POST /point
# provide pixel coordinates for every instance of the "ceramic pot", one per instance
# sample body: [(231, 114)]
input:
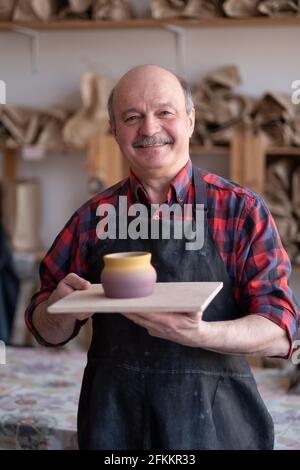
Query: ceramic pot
[(128, 275)]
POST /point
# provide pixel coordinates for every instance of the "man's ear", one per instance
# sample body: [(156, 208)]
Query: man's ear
[(113, 129), (191, 122)]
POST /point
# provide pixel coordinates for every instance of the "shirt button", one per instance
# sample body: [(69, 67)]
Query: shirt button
[(156, 217)]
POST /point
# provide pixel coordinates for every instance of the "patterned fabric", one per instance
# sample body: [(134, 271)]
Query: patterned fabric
[(39, 393), (284, 408), (241, 226)]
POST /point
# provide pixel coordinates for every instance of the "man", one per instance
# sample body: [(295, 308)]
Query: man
[(180, 380)]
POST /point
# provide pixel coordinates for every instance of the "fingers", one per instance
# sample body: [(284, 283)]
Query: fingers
[(76, 282), (179, 327), (67, 285), (138, 319), (163, 318), (194, 315), (62, 290), (81, 316)]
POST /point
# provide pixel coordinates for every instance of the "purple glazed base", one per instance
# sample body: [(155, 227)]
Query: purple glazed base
[(127, 286)]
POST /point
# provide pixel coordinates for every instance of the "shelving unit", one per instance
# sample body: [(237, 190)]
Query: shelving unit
[(152, 23), (247, 153), (249, 158), (177, 26)]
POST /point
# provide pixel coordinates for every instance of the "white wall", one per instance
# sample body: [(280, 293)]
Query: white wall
[(268, 59)]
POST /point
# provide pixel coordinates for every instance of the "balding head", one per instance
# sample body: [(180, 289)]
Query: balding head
[(142, 73), (152, 120)]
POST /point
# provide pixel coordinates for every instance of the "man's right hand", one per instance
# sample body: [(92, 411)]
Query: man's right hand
[(66, 286), (59, 328)]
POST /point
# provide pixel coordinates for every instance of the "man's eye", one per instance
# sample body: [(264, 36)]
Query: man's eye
[(131, 118), (165, 113)]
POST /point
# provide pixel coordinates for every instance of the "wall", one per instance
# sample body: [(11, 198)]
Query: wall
[(267, 58)]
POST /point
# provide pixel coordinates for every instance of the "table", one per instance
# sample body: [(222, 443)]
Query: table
[(39, 392)]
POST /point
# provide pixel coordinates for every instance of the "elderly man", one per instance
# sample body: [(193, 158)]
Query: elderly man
[(172, 380)]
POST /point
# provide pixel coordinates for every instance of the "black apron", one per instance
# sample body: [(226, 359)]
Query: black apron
[(142, 392)]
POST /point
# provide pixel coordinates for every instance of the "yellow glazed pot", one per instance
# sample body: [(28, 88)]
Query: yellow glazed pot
[(128, 274)]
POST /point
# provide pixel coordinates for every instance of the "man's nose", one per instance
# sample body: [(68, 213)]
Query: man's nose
[(150, 126)]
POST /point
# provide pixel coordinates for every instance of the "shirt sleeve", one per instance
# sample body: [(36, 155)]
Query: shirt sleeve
[(62, 258), (264, 270)]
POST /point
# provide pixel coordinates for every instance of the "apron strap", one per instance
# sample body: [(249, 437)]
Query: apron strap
[(200, 188)]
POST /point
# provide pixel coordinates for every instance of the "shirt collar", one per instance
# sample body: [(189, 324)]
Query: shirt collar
[(178, 189)]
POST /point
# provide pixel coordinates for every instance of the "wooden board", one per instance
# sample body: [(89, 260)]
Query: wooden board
[(167, 297)]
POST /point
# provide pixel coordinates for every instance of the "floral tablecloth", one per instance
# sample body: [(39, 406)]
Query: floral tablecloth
[(283, 407), (39, 391)]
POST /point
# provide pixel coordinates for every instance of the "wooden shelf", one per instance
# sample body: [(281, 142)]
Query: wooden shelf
[(222, 150), (151, 23), (201, 149), (194, 149), (62, 149), (214, 150), (284, 151)]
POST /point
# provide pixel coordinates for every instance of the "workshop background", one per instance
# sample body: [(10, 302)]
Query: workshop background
[(59, 61)]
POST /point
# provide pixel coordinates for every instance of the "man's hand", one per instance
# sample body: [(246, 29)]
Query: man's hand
[(66, 286), (56, 329), (185, 328), (249, 335)]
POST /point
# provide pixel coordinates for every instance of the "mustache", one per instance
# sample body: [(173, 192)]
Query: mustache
[(153, 140)]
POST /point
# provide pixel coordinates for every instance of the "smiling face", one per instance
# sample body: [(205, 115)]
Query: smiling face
[(151, 125)]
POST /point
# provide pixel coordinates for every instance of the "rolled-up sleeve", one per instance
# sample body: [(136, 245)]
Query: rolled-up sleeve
[(264, 270), (62, 258)]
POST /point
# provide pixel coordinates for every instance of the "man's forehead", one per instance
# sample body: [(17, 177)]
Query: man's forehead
[(153, 96), (135, 105)]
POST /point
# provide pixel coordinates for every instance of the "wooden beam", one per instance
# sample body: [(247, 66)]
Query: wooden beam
[(10, 157), (248, 159), (236, 157), (9, 164), (106, 161)]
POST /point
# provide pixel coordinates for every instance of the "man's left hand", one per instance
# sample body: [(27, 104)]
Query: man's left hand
[(185, 328)]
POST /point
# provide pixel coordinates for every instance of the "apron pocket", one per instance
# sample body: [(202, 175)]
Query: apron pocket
[(241, 418)]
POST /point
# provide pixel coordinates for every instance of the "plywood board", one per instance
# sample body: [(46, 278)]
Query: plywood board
[(167, 297)]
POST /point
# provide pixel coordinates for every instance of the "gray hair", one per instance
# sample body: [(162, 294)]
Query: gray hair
[(187, 91)]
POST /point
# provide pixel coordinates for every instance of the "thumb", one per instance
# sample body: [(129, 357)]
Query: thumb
[(76, 282)]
